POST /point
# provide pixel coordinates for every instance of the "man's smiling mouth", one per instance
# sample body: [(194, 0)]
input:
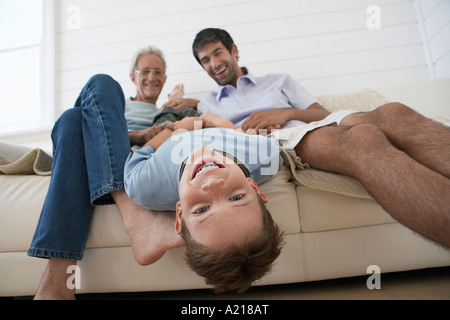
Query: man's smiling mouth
[(220, 72)]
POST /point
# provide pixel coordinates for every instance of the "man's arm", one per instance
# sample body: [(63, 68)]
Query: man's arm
[(181, 103), (277, 117), (139, 138), (207, 120)]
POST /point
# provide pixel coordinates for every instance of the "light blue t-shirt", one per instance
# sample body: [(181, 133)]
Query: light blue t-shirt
[(152, 177), (139, 115), (252, 94)]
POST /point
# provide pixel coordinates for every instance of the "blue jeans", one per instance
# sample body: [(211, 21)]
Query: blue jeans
[(90, 146)]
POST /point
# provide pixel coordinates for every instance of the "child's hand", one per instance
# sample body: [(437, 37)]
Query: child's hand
[(211, 120), (188, 123)]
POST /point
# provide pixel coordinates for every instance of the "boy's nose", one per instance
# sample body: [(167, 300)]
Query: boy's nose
[(212, 184)]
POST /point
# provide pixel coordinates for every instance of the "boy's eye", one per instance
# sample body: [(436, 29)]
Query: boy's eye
[(201, 210), (237, 198)]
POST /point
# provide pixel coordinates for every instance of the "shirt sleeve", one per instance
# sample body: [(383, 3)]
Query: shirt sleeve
[(298, 96), (145, 173), (204, 104)]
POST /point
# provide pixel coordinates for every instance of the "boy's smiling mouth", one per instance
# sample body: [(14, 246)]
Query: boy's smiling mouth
[(205, 168)]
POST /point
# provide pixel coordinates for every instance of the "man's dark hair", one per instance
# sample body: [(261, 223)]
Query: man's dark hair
[(211, 35)]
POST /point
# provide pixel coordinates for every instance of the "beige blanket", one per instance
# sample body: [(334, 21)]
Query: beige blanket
[(24, 161)]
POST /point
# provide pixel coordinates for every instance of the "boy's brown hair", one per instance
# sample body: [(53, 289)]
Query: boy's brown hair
[(233, 268)]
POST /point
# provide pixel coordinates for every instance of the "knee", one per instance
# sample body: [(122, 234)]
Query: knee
[(102, 81), (394, 110), (69, 122), (102, 90), (67, 127), (100, 78), (365, 138)]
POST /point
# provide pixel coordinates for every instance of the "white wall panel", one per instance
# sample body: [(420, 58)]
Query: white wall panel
[(435, 23), (325, 44)]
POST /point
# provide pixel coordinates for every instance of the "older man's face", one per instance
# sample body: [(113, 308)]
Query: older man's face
[(149, 78)]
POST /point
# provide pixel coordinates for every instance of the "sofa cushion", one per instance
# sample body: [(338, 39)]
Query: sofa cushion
[(322, 210), (281, 193), (21, 201), (23, 196), (329, 201)]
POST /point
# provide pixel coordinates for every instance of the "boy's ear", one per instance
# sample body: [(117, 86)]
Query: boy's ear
[(258, 190), (178, 213)]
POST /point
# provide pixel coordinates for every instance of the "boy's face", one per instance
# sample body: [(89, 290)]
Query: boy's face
[(218, 204), (219, 63)]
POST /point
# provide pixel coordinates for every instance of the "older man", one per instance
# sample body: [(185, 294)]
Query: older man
[(91, 143)]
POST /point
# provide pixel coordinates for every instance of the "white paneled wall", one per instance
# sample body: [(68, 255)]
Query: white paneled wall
[(324, 44), (434, 18)]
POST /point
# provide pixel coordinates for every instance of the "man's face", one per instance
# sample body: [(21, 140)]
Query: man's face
[(218, 204), (149, 78), (219, 63)]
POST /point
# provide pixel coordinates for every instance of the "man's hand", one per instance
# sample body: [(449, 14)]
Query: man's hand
[(141, 137), (276, 118), (270, 119)]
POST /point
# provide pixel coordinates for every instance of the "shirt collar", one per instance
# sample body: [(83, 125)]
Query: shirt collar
[(247, 77)]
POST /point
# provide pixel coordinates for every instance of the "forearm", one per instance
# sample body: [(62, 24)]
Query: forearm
[(141, 137), (159, 139), (136, 138), (314, 113)]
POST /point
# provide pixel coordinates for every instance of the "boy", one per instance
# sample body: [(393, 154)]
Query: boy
[(209, 177)]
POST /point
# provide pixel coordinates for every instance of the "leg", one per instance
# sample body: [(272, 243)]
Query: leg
[(152, 233), (90, 147), (413, 194), (64, 222), (53, 285), (65, 218), (106, 135), (423, 139)]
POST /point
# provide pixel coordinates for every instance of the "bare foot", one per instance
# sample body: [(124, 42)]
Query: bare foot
[(177, 92), (53, 285), (152, 233)]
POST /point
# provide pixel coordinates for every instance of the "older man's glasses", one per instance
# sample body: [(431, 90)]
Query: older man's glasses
[(146, 73)]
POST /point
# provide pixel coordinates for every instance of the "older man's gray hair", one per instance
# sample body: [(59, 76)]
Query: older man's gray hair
[(145, 51)]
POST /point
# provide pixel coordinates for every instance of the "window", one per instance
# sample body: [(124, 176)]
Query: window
[(21, 61)]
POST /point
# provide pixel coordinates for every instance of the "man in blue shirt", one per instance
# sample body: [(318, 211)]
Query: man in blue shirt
[(388, 150)]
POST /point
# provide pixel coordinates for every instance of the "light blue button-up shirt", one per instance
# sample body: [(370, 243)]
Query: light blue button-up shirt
[(252, 94)]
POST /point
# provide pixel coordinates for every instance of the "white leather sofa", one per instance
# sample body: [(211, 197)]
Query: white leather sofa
[(333, 227)]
